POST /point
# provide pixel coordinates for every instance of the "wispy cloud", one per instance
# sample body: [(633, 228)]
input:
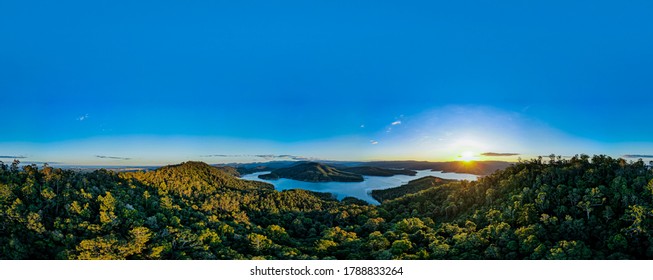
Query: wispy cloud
[(492, 154), (291, 157), (13, 157), (110, 157), (374, 142), (41, 162), (82, 118), (637, 156), (266, 157), (396, 123)]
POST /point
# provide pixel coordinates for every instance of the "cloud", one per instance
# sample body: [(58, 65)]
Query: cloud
[(110, 157), (637, 156), (273, 156), (283, 157), (491, 154), (396, 123), (266, 157), (374, 142), (13, 157), (301, 158), (82, 118), (362, 126), (291, 157), (41, 162)]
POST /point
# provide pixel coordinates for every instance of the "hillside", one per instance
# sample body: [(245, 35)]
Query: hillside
[(583, 208), (313, 172), (248, 168), (413, 186), (196, 178), (377, 171), (186, 211), (598, 208)]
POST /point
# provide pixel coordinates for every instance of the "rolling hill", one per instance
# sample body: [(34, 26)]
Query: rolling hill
[(313, 172)]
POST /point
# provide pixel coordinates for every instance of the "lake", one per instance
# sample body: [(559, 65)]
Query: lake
[(358, 190)]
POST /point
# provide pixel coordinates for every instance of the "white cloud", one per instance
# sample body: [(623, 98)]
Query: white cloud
[(396, 123), (263, 156), (374, 142), (111, 157), (82, 118)]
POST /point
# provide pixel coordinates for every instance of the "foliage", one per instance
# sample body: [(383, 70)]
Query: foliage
[(583, 208), (413, 186)]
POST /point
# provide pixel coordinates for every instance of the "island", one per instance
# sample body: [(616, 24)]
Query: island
[(313, 172)]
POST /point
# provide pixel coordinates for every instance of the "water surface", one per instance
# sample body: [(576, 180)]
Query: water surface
[(359, 190)]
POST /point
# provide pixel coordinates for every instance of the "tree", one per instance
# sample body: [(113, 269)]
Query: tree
[(569, 250), (107, 208), (258, 242), (401, 246)]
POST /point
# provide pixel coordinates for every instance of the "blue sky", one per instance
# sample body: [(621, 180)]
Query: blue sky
[(156, 82)]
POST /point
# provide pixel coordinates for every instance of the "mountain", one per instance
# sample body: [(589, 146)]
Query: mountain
[(377, 171), (248, 168), (197, 178), (313, 172)]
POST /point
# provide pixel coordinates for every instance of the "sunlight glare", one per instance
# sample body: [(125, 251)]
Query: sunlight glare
[(467, 156)]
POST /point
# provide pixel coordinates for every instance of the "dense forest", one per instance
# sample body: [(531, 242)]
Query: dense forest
[(581, 208), (413, 186)]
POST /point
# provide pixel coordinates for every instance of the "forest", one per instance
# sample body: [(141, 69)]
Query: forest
[(580, 208)]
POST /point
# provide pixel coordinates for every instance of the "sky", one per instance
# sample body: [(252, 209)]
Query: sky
[(160, 82)]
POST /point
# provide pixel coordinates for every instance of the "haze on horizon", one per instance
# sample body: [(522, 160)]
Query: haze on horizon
[(155, 83)]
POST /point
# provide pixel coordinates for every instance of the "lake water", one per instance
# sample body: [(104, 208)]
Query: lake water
[(359, 190)]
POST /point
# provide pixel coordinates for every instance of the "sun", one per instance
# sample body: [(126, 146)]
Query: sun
[(467, 156)]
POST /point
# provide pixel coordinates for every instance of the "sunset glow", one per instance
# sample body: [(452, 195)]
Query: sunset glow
[(467, 156)]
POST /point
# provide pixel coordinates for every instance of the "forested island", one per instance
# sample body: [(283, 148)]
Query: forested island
[(582, 208), (313, 172)]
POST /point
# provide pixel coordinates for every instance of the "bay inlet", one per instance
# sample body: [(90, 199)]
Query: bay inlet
[(360, 190)]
